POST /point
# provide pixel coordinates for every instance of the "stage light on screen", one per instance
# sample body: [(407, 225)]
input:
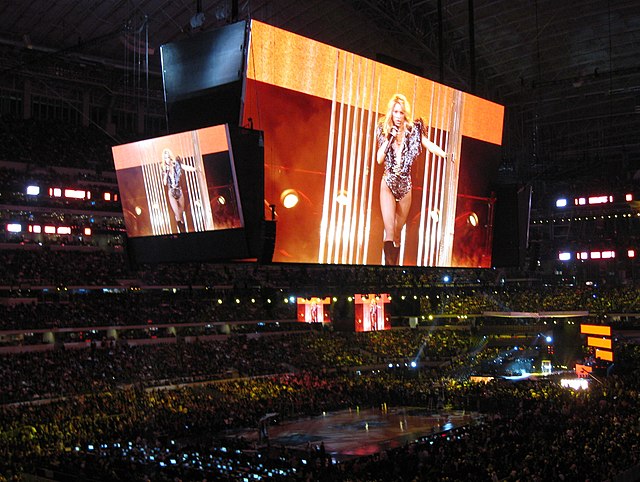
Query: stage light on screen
[(33, 190), (628, 197), (289, 198), (631, 253), (342, 198), (561, 203), (473, 219), (14, 228), (138, 210), (548, 339), (221, 200), (564, 256)]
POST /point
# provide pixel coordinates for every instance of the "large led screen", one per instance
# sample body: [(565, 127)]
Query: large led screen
[(367, 164)]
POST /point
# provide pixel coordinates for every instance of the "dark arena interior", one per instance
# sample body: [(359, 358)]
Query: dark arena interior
[(337, 240)]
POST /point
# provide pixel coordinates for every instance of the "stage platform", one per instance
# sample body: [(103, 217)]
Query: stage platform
[(356, 433)]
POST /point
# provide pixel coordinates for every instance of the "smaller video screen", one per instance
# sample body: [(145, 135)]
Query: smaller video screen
[(196, 195), (370, 312), (312, 310), (179, 183)]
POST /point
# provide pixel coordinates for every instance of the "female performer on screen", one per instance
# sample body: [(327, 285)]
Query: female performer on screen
[(172, 168), (400, 141)]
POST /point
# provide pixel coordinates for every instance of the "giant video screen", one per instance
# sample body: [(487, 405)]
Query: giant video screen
[(368, 164)]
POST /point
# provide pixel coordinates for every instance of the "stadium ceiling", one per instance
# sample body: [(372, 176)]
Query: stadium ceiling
[(568, 72)]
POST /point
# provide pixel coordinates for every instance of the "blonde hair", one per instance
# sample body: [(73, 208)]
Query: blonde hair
[(166, 152), (387, 121)]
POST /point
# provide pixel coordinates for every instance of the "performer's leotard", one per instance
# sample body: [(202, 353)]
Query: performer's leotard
[(173, 174), (397, 173)]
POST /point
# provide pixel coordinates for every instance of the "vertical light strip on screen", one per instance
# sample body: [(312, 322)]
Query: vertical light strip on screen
[(206, 215), (452, 163), (440, 180), (186, 158), (433, 187), (373, 144), (356, 154), (155, 191), (425, 202), (340, 252), (324, 224), (346, 173), (350, 163), (193, 173), (194, 191), (334, 230), (441, 243)]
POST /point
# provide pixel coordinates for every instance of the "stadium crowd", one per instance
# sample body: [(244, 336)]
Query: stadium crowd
[(530, 430)]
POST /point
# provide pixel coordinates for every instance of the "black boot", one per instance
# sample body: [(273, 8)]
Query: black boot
[(396, 255), (390, 254)]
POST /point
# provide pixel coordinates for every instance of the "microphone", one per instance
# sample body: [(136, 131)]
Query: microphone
[(390, 138)]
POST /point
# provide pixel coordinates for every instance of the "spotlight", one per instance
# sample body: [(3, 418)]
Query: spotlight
[(342, 198), (473, 219), (289, 198), (138, 210)]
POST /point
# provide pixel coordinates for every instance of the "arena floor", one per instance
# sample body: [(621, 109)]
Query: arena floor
[(356, 433)]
